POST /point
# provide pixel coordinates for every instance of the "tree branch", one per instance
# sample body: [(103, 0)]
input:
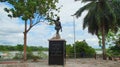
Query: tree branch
[(33, 24), (31, 21)]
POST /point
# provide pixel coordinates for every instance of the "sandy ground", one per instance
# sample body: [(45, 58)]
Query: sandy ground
[(69, 63), (92, 63)]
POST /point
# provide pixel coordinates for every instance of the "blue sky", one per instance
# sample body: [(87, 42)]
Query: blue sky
[(11, 30)]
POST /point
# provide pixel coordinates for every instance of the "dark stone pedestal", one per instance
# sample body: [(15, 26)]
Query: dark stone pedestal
[(57, 49)]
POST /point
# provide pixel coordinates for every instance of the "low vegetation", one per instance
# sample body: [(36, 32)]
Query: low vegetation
[(39, 52), (82, 50), (19, 47), (114, 51)]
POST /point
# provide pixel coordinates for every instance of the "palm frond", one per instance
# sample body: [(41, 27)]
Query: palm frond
[(86, 7), (88, 0), (99, 13)]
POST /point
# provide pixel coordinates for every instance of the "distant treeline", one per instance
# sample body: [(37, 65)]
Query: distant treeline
[(19, 47)]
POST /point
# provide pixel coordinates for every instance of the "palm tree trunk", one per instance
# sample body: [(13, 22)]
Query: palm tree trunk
[(25, 41), (103, 42)]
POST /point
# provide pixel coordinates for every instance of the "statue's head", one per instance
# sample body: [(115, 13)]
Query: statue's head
[(58, 18)]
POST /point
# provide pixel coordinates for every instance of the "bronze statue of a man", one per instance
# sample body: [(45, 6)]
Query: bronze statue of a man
[(57, 25)]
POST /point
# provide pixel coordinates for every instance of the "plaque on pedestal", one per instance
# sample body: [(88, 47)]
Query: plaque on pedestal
[(57, 51)]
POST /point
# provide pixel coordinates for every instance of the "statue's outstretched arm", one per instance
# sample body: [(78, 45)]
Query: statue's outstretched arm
[(51, 19)]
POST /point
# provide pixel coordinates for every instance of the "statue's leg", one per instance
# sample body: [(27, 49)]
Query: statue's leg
[(57, 32)]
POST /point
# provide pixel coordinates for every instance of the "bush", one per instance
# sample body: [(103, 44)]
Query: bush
[(114, 51), (18, 56), (35, 58), (42, 55), (82, 50)]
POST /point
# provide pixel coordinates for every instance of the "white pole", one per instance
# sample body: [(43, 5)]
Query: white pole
[(74, 37)]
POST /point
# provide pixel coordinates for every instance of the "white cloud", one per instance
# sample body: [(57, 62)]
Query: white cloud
[(10, 30)]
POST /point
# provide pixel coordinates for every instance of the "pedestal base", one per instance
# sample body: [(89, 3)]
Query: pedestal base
[(57, 36), (57, 51)]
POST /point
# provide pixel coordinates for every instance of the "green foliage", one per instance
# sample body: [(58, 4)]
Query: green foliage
[(39, 48), (29, 54), (101, 17), (114, 51), (30, 50), (111, 38), (116, 5), (99, 13), (18, 55), (35, 58), (117, 38), (69, 50), (82, 50), (98, 49), (7, 48), (42, 55), (27, 10), (19, 47), (32, 12)]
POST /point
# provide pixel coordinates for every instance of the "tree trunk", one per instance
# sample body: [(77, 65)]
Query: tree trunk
[(25, 36), (103, 42), (25, 41)]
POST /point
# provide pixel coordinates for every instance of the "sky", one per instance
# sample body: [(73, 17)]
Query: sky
[(11, 29)]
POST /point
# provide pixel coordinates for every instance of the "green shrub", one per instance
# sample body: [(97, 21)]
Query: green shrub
[(18, 55), (82, 50), (42, 55), (114, 51)]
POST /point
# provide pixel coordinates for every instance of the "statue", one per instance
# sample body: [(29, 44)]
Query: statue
[(58, 27)]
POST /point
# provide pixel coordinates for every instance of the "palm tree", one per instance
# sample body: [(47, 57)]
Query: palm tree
[(99, 19)]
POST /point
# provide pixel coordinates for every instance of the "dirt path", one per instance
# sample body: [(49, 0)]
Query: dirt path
[(69, 63)]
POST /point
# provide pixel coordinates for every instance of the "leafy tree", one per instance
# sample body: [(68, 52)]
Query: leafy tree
[(114, 51), (110, 38), (117, 38), (116, 6), (100, 18), (7, 48), (113, 37), (2, 48), (19, 47), (117, 42), (82, 50), (69, 50), (32, 12)]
